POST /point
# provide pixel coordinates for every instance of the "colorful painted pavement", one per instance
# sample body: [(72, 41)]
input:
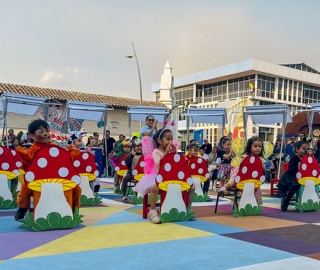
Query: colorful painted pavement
[(114, 236)]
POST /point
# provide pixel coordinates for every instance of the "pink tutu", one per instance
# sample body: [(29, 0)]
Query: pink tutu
[(145, 184)]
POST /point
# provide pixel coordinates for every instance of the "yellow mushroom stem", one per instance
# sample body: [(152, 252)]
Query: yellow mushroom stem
[(35, 185), (90, 176), (164, 185), (201, 177)]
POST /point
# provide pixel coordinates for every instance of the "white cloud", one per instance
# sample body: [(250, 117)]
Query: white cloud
[(75, 70), (50, 76)]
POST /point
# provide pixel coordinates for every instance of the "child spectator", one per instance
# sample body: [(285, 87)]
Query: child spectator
[(269, 167), (131, 162)]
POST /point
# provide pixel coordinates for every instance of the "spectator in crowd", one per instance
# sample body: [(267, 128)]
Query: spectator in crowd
[(290, 146), (117, 143), (269, 167), (108, 145), (95, 141), (207, 147), (203, 154), (11, 137), (150, 129)]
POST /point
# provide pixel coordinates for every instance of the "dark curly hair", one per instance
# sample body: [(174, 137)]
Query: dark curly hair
[(249, 144), (37, 124)]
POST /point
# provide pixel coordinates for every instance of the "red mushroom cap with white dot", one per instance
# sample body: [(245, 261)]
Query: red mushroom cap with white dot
[(7, 163), (85, 165), (308, 170), (250, 171), (51, 164), (174, 170), (198, 168), (138, 171), (18, 160), (121, 168)]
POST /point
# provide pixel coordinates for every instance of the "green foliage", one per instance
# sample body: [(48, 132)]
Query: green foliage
[(117, 191), (200, 198), (310, 205), (84, 201), (52, 222), (130, 191), (7, 204), (174, 215), (248, 210)]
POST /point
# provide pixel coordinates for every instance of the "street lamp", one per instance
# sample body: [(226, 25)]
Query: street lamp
[(135, 56)]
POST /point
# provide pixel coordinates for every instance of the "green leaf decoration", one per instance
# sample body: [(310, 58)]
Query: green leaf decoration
[(15, 195), (310, 205), (130, 191), (165, 218), (248, 210), (136, 200), (84, 201), (7, 204), (117, 191), (52, 222), (174, 213), (174, 216), (200, 198)]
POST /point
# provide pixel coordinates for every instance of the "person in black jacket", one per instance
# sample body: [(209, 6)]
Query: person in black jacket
[(131, 162), (288, 184)]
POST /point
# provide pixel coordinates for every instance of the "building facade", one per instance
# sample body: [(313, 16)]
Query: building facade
[(246, 83)]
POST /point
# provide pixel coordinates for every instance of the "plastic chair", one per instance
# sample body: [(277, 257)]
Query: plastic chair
[(235, 198)]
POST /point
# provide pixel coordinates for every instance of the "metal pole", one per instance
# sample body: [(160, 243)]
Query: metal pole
[(283, 135), (105, 115), (140, 85)]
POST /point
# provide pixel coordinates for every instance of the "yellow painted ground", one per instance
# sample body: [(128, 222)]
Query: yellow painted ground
[(117, 235)]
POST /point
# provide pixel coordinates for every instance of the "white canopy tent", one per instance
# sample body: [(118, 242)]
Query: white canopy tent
[(207, 116), (139, 113), (89, 111), (23, 104), (267, 115)]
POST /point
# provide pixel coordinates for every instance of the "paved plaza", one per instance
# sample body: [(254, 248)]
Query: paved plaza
[(114, 236)]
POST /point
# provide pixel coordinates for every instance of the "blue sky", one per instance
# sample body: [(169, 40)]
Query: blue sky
[(80, 45)]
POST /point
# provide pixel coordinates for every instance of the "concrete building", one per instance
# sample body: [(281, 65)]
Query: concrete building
[(117, 121), (247, 83)]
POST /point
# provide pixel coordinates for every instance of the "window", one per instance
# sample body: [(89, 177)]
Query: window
[(266, 85)]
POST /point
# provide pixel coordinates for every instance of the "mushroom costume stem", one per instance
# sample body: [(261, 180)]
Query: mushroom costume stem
[(248, 196), (5, 192), (309, 192), (173, 199)]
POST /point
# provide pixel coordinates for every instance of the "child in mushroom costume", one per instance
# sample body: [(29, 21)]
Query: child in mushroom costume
[(288, 184), (39, 131), (254, 148), (164, 142)]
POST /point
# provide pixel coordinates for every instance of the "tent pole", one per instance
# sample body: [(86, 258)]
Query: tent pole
[(283, 135), (105, 116), (129, 126), (187, 119), (5, 126), (244, 124)]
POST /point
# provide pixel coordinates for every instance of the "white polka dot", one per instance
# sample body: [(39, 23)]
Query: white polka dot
[(42, 162), (18, 164), (180, 175), (134, 172), (123, 162), (190, 181), (16, 172), (5, 166), (88, 169), (193, 166), (96, 173), (262, 178), (159, 178), (117, 169), (167, 167), (304, 167), (29, 176), (310, 159), (200, 171), (314, 172), (254, 174), (237, 179), (85, 156), (1, 150), (54, 151), (244, 169), (76, 163), (142, 164), (199, 160), (76, 179), (298, 175), (176, 157), (13, 152), (207, 175), (63, 172), (252, 159)]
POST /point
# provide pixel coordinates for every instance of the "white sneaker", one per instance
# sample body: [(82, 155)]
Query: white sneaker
[(154, 215)]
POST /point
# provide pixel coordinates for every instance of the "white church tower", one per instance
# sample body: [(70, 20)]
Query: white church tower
[(167, 96)]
